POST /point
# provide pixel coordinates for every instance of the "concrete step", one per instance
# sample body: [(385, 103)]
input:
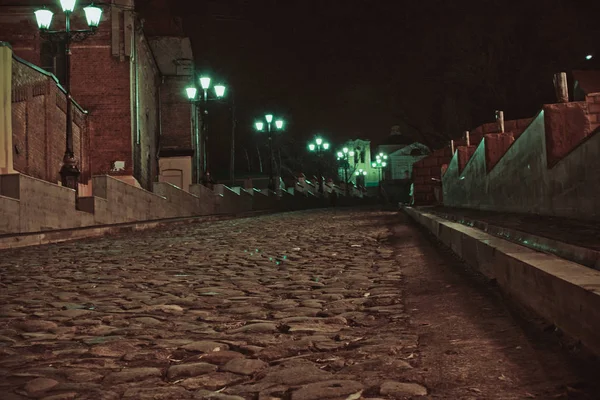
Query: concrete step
[(564, 293)]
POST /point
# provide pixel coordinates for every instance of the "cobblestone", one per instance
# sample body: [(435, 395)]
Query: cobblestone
[(303, 305)]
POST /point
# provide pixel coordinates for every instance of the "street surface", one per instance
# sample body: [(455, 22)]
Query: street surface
[(321, 304)]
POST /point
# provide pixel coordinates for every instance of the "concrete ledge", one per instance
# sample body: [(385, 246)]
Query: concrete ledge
[(562, 292), (580, 255), (63, 235)]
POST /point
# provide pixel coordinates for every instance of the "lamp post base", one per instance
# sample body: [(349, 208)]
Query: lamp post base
[(69, 172)]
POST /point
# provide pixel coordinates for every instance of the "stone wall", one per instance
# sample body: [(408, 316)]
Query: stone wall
[(39, 124), (550, 168)]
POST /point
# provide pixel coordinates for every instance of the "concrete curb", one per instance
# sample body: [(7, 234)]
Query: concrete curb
[(562, 292), (12, 241), (580, 255)]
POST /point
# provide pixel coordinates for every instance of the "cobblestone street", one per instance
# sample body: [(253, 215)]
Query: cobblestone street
[(304, 305)]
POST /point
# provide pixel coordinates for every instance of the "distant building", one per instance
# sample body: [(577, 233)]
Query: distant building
[(361, 161), (402, 152)]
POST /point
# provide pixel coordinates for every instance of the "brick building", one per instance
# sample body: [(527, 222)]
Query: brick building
[(124, 85)]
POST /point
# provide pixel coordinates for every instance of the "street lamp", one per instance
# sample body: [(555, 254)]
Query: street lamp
[(319, 146), (343, 157), (380, 163), (69, 171), (260, 126), (204, 98)]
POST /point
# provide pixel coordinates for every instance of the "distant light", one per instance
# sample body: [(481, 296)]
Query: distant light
[(205, 82), (279, 124), (383, 164), (357, 173), (67, 5), (385, 156), (220, 90), (374, 165), (93, 15), (269, 118), (191, 92), (319, 141), (351, 154), (340, 154), (345, 149), (589, 57), (364, 172), (259, 126), (43, 18), (326, 146), (311, 147)]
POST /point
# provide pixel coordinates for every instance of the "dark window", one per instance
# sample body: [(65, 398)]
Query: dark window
[(52, 59)]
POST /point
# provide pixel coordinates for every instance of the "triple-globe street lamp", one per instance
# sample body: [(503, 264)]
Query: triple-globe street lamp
[(344, 159), (380, 163), (204, 98), (260, 126), (69, 171), (319, 147)]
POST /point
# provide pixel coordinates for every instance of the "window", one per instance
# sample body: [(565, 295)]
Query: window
[(52, 59)]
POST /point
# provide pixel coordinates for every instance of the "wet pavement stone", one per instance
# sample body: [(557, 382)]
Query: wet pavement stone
[(302, 305)]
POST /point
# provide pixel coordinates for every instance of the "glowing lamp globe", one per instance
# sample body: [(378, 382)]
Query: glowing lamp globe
[(364, 172), (220, 90), (279, 124), (205, 82), (311, 147), (269, 118), (374, 165), (326, 146), (351, 154), (93, 15), (259, 126), (191, 92), (340, 154), (43, 18), (319, 141), (67, 5)]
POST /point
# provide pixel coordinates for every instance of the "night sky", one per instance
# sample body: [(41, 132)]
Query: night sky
[(349, 69)]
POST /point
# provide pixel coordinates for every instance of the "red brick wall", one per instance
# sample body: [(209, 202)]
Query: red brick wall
[(175, 114), (39, 122), (593, 102), (423, 172)]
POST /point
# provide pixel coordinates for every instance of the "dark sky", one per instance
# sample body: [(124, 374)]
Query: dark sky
[(353, 68)]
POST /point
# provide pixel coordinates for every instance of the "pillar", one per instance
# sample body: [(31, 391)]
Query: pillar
[(6, 146)]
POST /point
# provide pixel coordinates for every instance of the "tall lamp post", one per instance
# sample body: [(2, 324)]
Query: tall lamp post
[(260, 126), (192, 92), (343, 157), (69, 171), (319, 147), (380, 163)]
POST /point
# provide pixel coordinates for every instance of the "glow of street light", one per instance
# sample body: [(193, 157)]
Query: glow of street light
[(364, 172), (220, 90), (67, 5), (356, 173), (205, 82), (319, 141), (279, 124), (325, 146), (345, 149), (311, 147), (259, 126), (340, 154), (374, 165), (191, 92), (383, 164), (385, 156), (43, 18), (351, 154), (269, 118), (589, 57), (93, 15)]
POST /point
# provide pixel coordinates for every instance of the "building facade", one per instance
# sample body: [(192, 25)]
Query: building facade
[(118, 79), (360, 161)]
